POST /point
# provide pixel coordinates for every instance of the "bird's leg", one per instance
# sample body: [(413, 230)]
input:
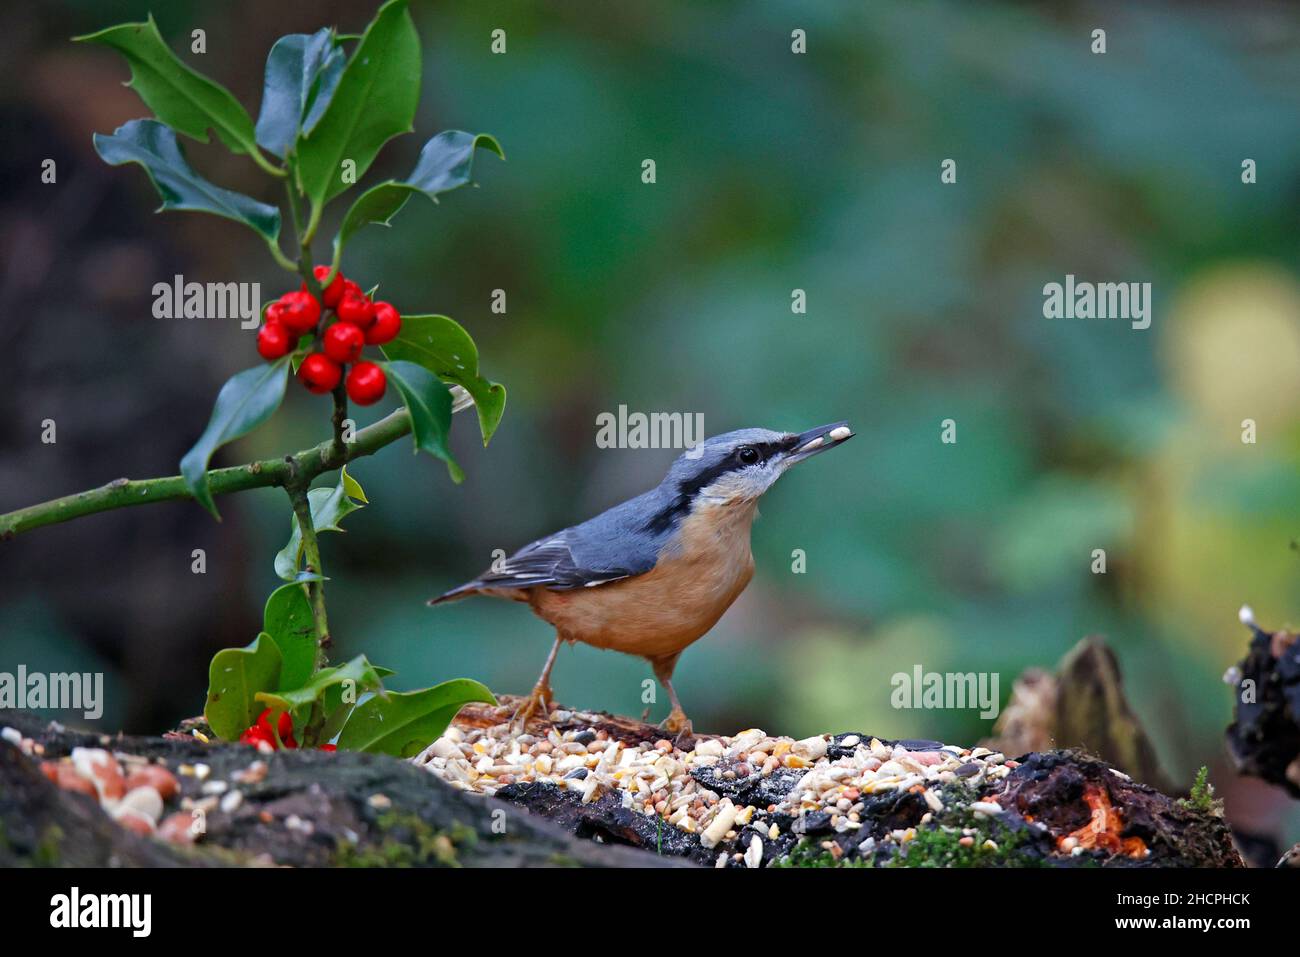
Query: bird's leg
[(676, 723), (541, 696)]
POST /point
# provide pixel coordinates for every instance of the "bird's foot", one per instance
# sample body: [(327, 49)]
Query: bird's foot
[(679, 725), (539, 700)]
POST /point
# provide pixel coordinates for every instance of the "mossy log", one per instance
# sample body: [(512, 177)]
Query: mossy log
[(320, 809), (1057, 808), (309, 809)]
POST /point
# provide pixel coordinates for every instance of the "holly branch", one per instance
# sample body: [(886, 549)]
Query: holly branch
[(317, 87), (265, 473)]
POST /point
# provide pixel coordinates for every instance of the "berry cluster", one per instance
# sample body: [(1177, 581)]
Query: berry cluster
[(260, 736), (358, 322)]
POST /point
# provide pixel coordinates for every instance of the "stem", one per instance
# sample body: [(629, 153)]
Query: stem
[(293, 208), (267, 473), (340, 415), (297, 486), (335, 263), (306, 263), (311, 731), (299, 483), (281, 259), (266, 164), (313, 221)]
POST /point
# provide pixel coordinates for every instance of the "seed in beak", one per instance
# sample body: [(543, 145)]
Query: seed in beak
[(812, 444), (840, 434)]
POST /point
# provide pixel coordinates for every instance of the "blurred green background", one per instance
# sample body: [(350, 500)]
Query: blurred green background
[(775, 171)]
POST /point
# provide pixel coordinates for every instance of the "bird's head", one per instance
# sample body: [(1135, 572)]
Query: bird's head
[(738, 467)]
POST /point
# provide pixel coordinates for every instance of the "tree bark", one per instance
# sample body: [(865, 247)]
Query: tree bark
[(1264, 737), (310, 808)]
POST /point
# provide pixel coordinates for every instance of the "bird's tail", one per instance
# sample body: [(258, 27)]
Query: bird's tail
[(462, 591)]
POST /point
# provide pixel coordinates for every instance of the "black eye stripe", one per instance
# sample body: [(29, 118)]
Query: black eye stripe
[(766, 450), (666, 517)]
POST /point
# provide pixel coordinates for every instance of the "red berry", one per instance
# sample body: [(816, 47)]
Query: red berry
[(356, 309), (352, 289), (344, 342), (299, 311), (283, 725), (255, 735), (319, 373), (275, 312), (332, 293), (366, 383), (388, 323), (328, 747), (274, 341), (260, 730)]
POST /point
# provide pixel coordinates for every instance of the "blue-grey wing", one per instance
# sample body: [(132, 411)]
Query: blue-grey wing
[(612, 546), (560, 561)]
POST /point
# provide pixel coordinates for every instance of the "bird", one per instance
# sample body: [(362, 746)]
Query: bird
[(653, 575)]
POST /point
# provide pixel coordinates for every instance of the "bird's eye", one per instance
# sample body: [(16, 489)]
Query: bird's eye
[(747, 454)]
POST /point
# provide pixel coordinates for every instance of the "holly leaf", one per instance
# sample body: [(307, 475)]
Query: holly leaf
[(302, 73), (154, 146), (404, 723), (428, 401), (183, 98), (288, 621), (246, 401), (358, 673), (445, 164), (235, 678), (337, 710), (443, 347), (374, 101), (328, 507)]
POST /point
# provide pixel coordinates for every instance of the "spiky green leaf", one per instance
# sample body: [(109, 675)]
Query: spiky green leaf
[(329, 505), (445, 163), (247, 400), (181, 97), (302, 73), (428, 401), (374, 101), (443, 347), (154, 146)]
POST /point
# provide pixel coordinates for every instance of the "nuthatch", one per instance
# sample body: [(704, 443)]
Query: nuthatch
[(652, 575)]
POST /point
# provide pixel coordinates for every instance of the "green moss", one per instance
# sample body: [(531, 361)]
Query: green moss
[(405, 840), (939, 844), (809, 853), (48, 851), (1202, 796), (941, 847)]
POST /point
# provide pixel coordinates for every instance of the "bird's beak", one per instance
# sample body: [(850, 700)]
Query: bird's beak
[(808, 444)]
